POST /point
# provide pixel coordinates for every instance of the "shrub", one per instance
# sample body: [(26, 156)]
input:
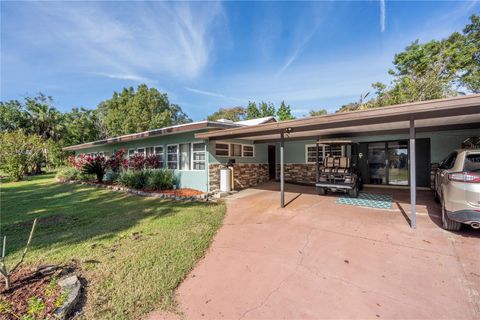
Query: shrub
[(136, 179), (96, 167), (161, 179), (137, 161), (152, 161), (117, 161), (68, 174), (80, 161)]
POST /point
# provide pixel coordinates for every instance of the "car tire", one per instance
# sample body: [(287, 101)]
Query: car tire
[(353, 193), (447, 223), (322, 191)]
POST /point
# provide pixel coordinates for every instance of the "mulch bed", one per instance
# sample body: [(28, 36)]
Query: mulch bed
[(26, 284), (181, 192)]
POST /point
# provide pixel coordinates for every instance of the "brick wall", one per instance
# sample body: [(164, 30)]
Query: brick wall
[(245, 175), (298, 172)]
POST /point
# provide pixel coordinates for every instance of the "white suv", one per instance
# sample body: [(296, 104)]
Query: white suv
[(457, 187)]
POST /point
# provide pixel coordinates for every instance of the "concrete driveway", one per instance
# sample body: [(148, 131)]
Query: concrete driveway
[(319, 259)]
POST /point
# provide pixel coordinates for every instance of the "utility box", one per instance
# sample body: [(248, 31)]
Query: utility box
[(225, 180)]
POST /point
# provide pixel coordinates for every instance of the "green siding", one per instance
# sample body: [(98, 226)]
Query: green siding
[(260, 153)]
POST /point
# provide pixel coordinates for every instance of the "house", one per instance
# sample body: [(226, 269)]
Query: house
[(396, 146)]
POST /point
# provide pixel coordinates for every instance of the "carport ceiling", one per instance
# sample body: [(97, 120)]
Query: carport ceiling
[(435, 115)]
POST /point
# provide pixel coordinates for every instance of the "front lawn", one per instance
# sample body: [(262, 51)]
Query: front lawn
[(132, 251)]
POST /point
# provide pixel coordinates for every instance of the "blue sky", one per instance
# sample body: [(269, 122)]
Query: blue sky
[(207, 55)]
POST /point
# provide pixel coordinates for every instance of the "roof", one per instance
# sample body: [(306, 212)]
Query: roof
[(254, 122), (188, 127), (443, 114)]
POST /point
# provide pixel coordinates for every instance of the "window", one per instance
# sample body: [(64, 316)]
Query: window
[(311, 153), (472, 163), (141, 150), (335, 151), (198, 156), (149, 150), (247, 151), (221, 149), (235, 150), (172, 156), (159, 152), (101, 153), (449, 161), (131, 152), (185, 156)]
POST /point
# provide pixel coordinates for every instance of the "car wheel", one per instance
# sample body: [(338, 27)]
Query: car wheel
[(322, 191), (447, 223), (353, 193)]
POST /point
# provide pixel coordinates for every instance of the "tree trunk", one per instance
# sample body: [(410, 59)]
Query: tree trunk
[(7, 282)]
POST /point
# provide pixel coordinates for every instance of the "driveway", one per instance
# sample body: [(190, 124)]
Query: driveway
[(319, 259)]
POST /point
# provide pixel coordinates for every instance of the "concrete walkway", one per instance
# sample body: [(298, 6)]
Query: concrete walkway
[(319, 259)]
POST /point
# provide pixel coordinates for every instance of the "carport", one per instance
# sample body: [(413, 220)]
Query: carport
[(455, 113)]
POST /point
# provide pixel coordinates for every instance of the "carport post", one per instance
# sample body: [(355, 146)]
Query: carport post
[(282, 177), (413, 182)]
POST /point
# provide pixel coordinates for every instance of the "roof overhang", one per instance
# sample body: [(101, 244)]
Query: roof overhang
[(188, 127), (443, 114)]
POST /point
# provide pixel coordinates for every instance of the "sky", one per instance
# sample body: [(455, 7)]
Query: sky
[(207, 55)]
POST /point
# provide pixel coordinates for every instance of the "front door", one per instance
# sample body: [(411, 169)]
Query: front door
[(271, 163)]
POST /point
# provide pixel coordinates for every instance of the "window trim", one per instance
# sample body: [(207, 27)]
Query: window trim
[(192, 164), (178, 156), (253, 150), (228, 149), (322, 152), (229, 144), (144, 151), (163, 154)]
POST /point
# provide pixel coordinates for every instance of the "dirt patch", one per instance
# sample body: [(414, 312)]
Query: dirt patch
[(32, 291)]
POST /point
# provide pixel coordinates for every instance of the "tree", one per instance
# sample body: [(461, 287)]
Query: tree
[(82, 125), (252, 111), (45, 120), (319, 112), (234, 114), (146, 109), (266, 109), (432, 70), (20, 153), (13, 116), (284, 112)]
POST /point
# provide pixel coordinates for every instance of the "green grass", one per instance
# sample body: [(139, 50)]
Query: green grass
[(132, 251)]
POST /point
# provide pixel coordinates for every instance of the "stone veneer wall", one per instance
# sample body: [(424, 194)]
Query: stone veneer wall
[(298, 172), (245, 175)]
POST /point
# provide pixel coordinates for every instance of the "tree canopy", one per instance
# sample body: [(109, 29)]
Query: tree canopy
[(234, 114), (133, 111), (284, 112)]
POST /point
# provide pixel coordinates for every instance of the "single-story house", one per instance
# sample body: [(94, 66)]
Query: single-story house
[(395, 146)]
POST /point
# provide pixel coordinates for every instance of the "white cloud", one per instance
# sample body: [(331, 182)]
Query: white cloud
[(132, 77), (133, 41), (382, 15), (206, 93)]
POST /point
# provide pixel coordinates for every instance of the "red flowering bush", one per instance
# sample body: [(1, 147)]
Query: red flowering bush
[(79, 161), (152, 161), (117, 161), (137, 161)]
